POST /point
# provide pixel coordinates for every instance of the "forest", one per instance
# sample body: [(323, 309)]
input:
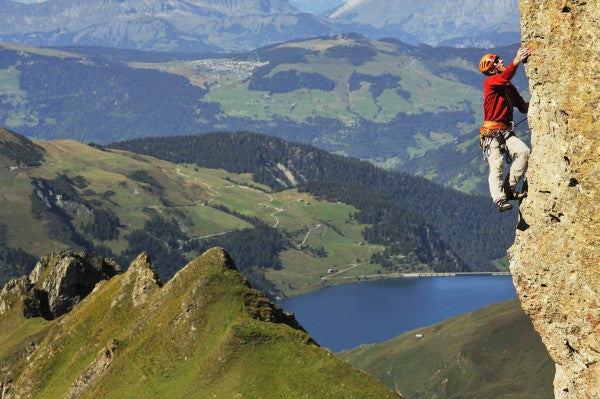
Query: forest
[(404, 232)]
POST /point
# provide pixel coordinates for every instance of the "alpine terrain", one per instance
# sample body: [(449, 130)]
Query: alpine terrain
[(412, 108), (203, 334), (470, 23)]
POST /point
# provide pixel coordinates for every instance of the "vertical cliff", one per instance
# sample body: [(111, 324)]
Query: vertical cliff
[(556, 261)]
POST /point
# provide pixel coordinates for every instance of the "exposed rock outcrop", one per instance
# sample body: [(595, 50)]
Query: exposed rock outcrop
[(57, 283), (144, 279), (99, 365), (555, 262)]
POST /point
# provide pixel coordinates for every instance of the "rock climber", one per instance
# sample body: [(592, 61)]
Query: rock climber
[(497, 136)]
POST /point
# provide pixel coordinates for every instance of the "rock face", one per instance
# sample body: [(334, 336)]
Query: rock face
[(143, 278), (555, 262), (57, 283)]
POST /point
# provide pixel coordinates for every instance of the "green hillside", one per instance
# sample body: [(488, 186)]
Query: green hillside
[(393, 203), (204, 334), (383, 100), (493, 352), (66, 195)]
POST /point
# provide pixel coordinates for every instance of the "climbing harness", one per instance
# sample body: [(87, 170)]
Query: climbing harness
[(500, 131), (495, 130)]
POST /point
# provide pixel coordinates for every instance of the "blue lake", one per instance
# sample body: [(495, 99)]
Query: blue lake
[(345, 316)]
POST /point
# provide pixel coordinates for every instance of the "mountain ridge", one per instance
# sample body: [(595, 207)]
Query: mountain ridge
[(204, 333), (190, 26)]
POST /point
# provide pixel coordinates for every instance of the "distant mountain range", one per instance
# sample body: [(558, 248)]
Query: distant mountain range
[(437, 22), (223, 25), (195, 25)]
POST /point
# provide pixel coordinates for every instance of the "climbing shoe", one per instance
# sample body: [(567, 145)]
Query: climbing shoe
[(504, 205), (515, 195)]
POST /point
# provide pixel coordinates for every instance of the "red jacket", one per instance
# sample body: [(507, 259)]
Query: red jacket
[(500, 96)]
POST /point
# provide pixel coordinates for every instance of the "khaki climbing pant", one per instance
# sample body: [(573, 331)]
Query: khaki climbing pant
[(519, 152)]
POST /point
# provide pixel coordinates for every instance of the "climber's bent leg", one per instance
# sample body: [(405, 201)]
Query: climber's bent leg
[(496, 162), (519, 153)]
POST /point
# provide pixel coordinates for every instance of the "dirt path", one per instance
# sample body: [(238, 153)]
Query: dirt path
[(310, 230), (333, 275)]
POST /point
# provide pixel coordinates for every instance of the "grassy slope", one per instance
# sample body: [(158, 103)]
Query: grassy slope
[(187, 189), (490, 353), (204, 334)]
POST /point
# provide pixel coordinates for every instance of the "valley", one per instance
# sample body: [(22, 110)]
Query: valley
[(287, 228)]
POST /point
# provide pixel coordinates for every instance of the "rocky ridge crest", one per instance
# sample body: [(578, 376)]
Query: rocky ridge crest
[(555, 261), (57, 283), (205, 332)]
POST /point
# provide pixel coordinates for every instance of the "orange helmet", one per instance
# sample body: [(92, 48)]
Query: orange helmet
[(487, 62)]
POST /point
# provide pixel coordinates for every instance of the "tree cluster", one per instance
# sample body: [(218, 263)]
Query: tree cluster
[(288, 81), (14, 262), (20, 149), (378, 82), (355, 54)]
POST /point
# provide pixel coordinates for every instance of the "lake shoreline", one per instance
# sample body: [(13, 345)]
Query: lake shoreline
[(344, 316), (416, 275)]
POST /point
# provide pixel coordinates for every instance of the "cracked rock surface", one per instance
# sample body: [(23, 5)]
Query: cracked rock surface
[(555, 262)]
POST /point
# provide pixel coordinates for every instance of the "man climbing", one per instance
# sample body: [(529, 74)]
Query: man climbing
[(497, 136)]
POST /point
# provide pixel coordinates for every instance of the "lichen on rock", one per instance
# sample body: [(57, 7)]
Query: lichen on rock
[(556, 261)]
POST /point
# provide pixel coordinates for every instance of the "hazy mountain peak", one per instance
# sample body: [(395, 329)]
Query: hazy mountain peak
[(316, 6), (245, 7), (435, 21)]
